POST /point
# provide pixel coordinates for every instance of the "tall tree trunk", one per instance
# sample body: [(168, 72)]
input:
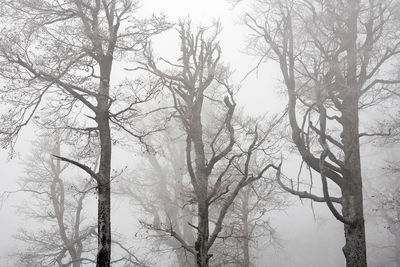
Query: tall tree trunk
[(355, 247), (104, 197), (202, 256), (104, 188), (196, 134), (104, 225)]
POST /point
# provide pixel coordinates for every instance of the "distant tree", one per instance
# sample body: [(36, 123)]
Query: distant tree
[(383, 201), (335, 58), (56, 64), (160, 187), (386, 207), (57, 202), (58, 198), (197, 83), (247, 226)]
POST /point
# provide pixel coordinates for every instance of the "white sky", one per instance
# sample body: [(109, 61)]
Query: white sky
[(257, 92)]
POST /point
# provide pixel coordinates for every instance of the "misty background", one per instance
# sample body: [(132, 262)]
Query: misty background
[(306, 233)]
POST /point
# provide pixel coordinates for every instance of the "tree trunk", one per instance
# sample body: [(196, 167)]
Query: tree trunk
[(104, 226), (202, 256), (104, 197), (355, 247), (104, 188), (196, 133)]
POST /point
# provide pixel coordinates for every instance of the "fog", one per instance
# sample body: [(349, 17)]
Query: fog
[(305, 233)]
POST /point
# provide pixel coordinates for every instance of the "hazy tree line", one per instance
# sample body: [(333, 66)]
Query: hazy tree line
[(87, 75)]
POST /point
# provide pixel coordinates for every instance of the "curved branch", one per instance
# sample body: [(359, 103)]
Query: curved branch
[(80, 165), (304, 194)]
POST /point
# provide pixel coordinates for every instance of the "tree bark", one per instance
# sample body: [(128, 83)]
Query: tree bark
[(355, 246), (104, 226), (202, 256), (196, 133), (104, 188)]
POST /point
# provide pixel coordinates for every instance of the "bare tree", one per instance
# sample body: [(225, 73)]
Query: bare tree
[(335, 61), (247, 226), (57, 198), (57, 56), (160, 188), (197, 80), (56, 201)]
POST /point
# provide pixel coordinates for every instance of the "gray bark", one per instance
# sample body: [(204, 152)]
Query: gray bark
[(104, 189)]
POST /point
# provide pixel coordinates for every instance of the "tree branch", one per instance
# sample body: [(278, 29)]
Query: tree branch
[(80, 165)]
